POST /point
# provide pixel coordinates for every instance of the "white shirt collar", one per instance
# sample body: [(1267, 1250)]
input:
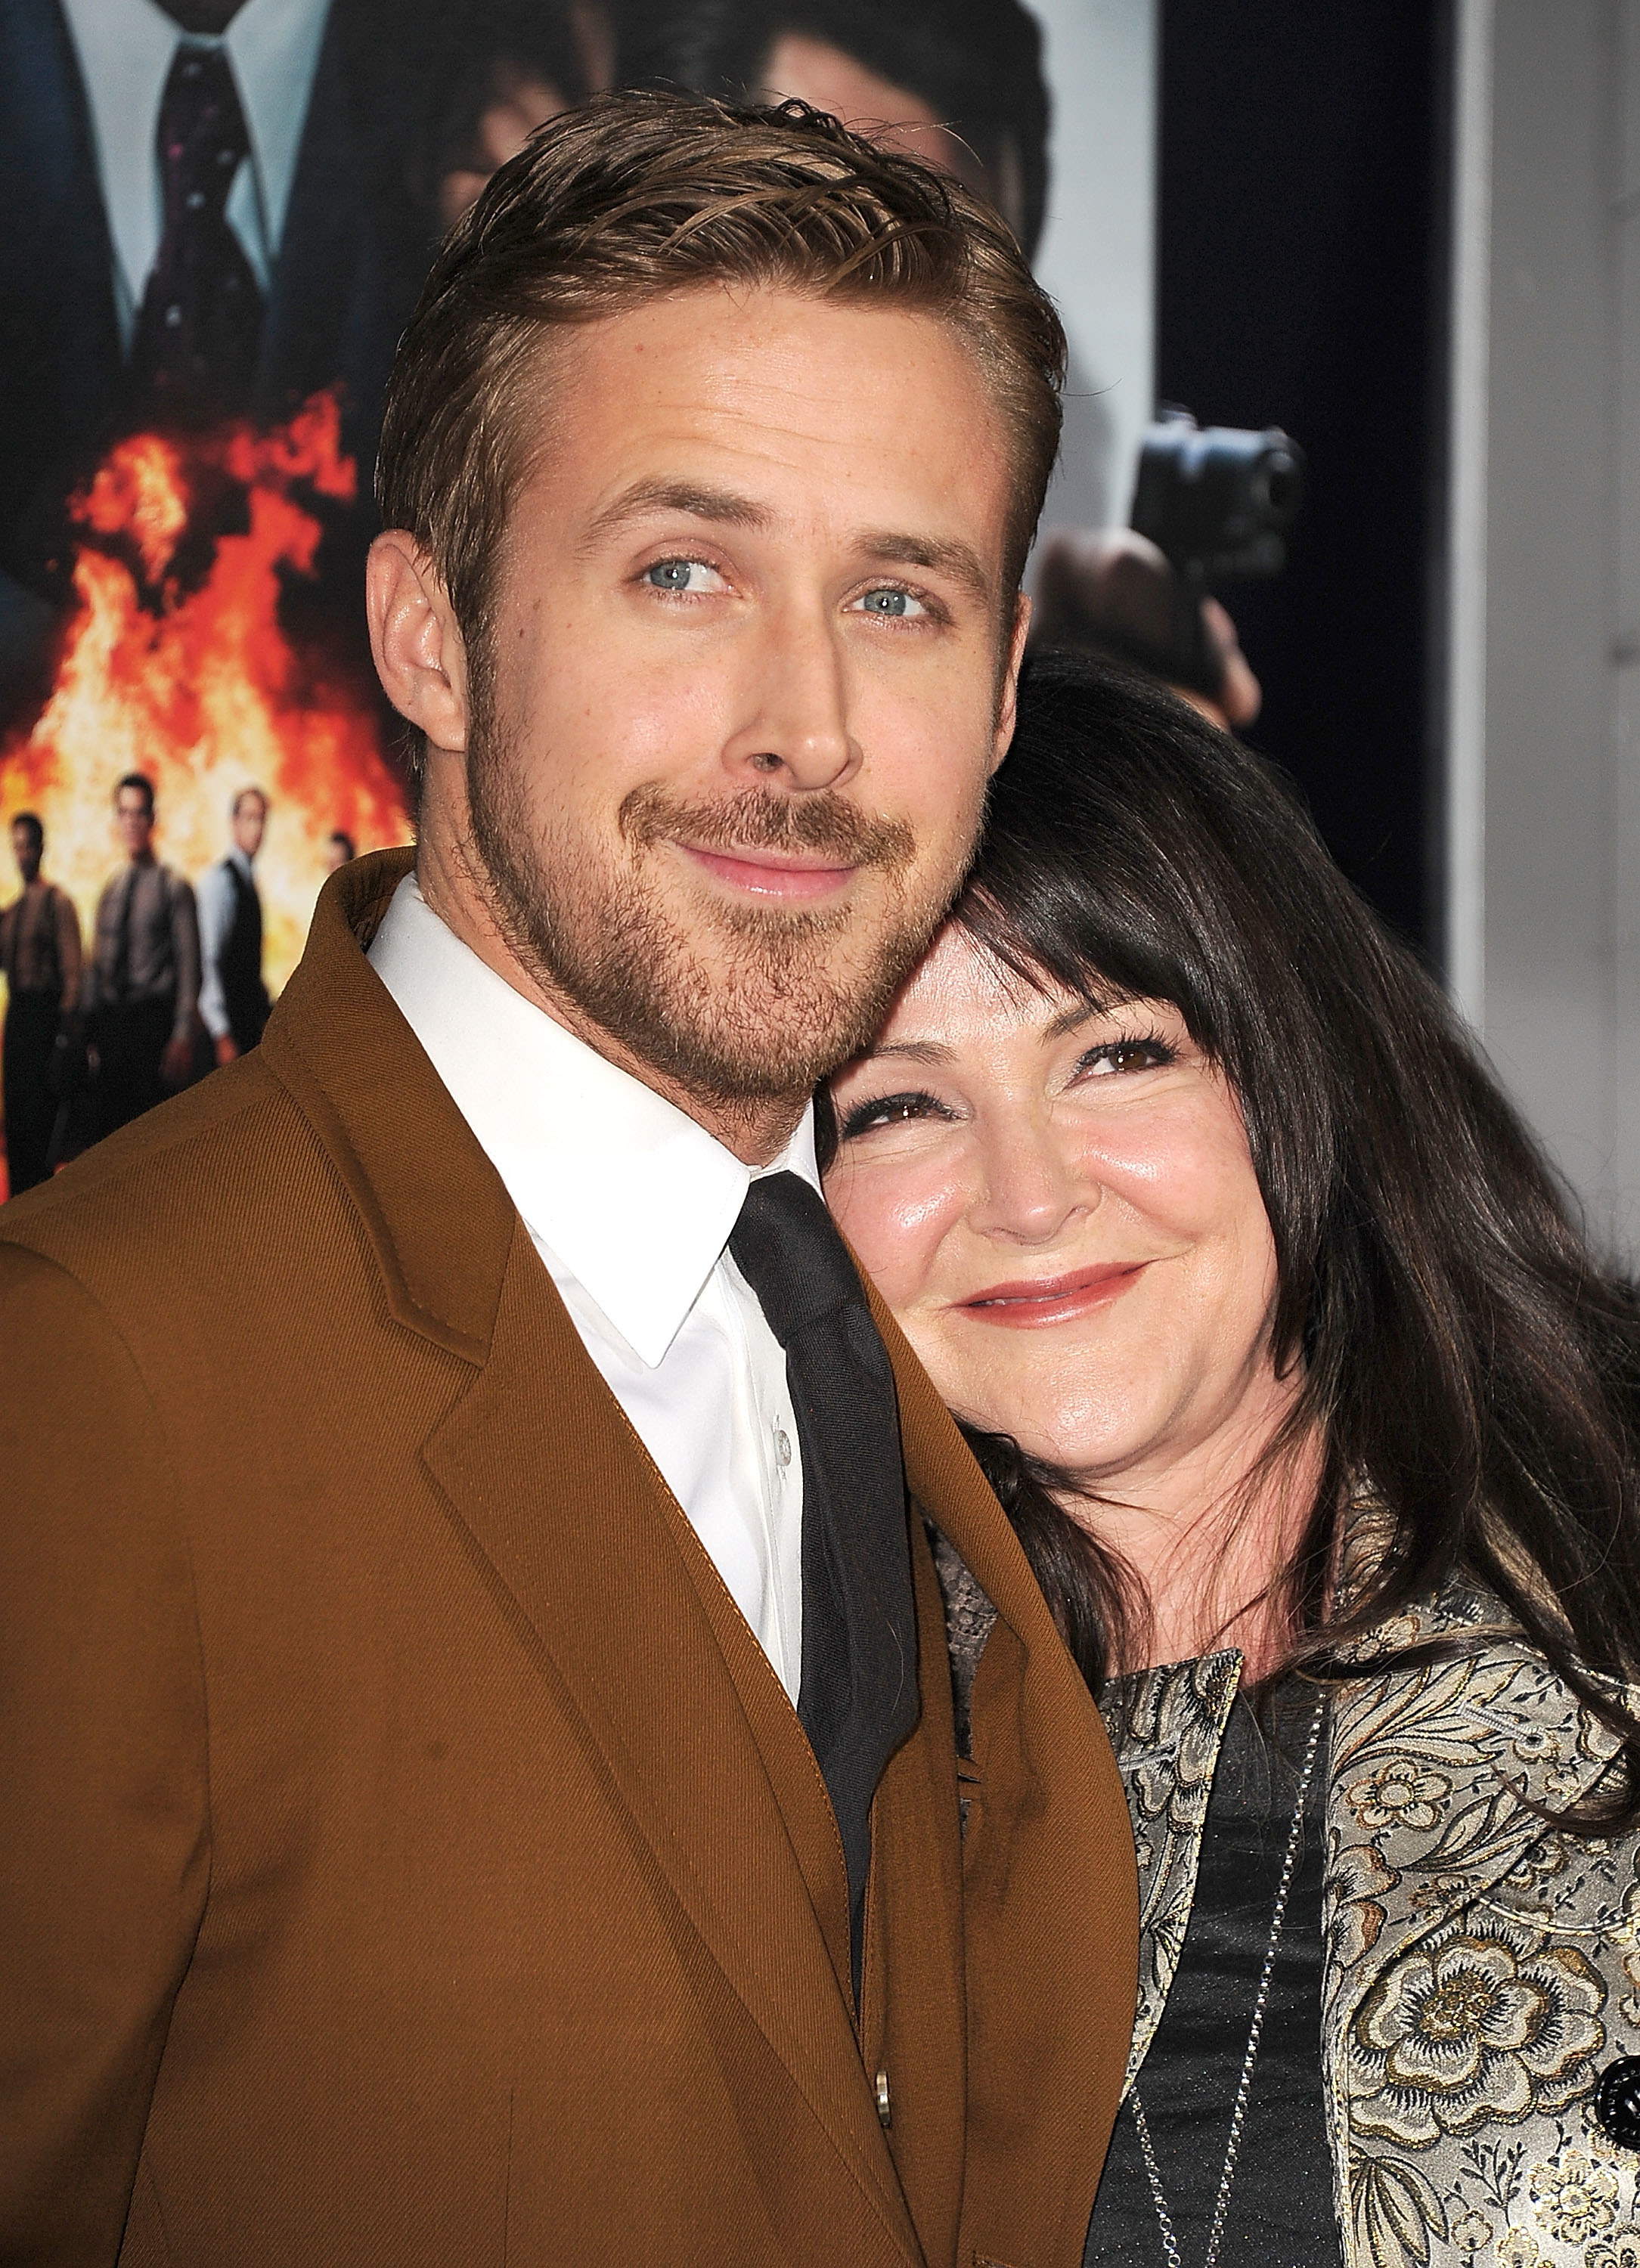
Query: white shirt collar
[(274, 48), (125, 49), (631, 1195)]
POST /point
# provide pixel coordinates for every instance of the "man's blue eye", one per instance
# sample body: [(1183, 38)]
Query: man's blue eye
[(887, 602), (671, 574)]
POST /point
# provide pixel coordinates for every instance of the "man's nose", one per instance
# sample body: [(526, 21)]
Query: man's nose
[(796, 705)]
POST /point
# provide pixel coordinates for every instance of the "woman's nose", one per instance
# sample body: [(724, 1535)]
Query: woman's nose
[(1031, 1188)]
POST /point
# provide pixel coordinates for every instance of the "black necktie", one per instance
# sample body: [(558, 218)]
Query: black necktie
[(248, 910), (858, 1699), (120, 974), (194, 356)]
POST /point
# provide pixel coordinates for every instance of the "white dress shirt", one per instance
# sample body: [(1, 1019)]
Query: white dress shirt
[(126, 48), (629, 1203), (214, 897)]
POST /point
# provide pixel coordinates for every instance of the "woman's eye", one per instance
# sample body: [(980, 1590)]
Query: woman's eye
[(689, 576), (1114, 1055), (889, 605), (890, 1110)]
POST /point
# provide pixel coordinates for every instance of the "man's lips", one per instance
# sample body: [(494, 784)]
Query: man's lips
[(784, 875), (1052, 1299)]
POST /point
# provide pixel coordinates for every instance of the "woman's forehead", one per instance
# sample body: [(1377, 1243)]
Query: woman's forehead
[(960, 993), (958, 986)]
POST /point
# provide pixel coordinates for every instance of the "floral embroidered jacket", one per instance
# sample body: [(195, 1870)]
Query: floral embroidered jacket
[(1483, 1968)]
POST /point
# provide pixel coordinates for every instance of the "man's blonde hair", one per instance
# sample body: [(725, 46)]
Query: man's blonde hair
[(639, 193)]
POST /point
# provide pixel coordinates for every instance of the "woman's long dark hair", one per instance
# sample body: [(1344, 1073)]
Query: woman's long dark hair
[(1461, 1352)]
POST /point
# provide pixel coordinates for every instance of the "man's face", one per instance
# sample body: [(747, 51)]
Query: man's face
[(750, 669), (25, 851), (250, 817), (133, 822)]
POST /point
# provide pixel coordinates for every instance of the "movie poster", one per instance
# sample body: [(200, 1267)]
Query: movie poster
[(219, 215)]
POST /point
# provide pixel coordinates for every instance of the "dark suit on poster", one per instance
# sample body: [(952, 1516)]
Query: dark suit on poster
[(410, 1855), (350, 260)]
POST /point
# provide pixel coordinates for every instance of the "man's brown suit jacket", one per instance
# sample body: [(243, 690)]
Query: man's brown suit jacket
[(408, 1854)]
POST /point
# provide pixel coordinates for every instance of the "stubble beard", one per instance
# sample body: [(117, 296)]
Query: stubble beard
[(788, 995)]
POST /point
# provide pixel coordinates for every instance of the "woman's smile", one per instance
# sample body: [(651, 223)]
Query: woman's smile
[(1040, 1304)]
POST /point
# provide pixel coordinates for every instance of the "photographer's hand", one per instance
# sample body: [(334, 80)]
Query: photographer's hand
[(1241, 697), (1112, 590)]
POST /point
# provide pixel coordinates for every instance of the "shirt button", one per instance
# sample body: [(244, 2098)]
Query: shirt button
[(783, 1446)]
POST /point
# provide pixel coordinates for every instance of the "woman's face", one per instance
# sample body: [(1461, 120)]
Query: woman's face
[(1060, 1209)]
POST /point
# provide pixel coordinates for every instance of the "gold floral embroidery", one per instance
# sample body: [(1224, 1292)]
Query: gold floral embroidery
[(1165, 1726), (1359, 1885), (1401, 1796), (1394, 2213), (1575, 2198), (1619, 2249), (1471, 2029)]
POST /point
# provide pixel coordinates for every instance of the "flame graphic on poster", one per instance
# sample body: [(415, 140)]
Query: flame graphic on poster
[(199, 687)]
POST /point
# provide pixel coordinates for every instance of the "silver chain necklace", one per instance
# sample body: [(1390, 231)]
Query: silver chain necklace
[(1221, 2205)]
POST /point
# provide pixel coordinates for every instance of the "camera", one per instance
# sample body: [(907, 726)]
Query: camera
[(1217, 501), (1212, 506)]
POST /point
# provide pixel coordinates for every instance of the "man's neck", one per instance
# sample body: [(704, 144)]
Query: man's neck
[(755, 1129)]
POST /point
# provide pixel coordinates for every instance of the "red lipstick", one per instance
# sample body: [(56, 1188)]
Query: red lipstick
[(1052, 1299)]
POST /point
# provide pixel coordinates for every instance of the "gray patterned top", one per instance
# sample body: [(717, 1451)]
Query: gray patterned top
[(1482, 1966)]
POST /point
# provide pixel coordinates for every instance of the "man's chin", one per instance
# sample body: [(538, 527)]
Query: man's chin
[(743, 1026), (753, 1043), (724, 997)]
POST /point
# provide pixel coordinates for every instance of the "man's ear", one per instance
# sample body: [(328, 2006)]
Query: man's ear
[(415, 641), (1007, 695)]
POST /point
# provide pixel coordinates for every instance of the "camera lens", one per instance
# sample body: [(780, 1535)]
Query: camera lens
[(1277, 484)]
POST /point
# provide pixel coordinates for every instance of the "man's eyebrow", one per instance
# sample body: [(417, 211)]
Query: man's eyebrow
[(960, 561), (689, 497)]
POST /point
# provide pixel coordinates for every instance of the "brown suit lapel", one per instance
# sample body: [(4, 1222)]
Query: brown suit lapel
[(542, 1468), (541, 1463), (434, 1208), (1050, 1882)]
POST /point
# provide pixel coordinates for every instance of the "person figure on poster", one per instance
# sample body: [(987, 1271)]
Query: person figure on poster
[(40, 954), (478, 1715), (512, 64), (141, 983), (339, 848), (210, 218), (233, 1001), (959, 83)]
